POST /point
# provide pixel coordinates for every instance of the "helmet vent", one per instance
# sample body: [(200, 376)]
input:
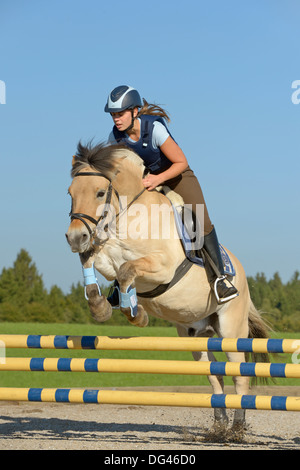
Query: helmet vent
[(118, 92)]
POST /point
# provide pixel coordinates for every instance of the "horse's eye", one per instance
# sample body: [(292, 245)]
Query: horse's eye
[(100, 194)]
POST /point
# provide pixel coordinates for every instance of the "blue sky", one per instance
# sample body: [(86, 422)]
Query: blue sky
[(223, 70)]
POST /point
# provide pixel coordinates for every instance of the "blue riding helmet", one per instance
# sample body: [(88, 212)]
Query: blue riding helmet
[(121, 98)]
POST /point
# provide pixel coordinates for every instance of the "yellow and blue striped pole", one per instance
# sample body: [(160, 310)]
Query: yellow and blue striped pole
[(61, 395), (141, 343), (146, 366)]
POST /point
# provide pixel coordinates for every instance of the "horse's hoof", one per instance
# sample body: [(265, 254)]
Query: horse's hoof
[(141, 319), (237, 431), (221, 419), (100, 309)]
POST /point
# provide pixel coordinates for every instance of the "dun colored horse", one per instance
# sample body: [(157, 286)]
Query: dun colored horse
[(113, 229)]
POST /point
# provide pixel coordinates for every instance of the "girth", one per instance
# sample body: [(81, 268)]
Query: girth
[(182, 269)]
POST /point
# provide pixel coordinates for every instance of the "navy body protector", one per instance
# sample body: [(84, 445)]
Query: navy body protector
[(153, 158)]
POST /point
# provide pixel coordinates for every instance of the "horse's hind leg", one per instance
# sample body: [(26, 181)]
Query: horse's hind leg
[(233, 323), (241, 384), (216, 381)]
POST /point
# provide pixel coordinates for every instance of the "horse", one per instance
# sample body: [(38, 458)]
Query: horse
[(167, 286)]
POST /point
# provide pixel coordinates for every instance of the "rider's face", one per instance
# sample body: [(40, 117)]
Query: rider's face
[(123, 119)]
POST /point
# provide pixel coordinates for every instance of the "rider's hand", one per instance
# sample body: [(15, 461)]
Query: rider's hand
[(151, 181)]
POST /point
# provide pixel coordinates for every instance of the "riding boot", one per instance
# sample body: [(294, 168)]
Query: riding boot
[(113, 297), (214, 268)]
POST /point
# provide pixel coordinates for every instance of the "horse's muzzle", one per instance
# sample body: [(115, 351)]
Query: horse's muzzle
[(79, 239)]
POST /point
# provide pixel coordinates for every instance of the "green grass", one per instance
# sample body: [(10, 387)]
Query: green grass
[(79, 379)]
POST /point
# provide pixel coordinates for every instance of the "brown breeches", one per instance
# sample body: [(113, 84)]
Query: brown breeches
[(188, 187)]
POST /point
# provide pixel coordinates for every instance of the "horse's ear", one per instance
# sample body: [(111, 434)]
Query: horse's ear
[(117, 167), (73, 160)]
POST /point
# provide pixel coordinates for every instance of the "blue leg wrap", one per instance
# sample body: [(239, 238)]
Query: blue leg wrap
[(89, 277), (129, 300)]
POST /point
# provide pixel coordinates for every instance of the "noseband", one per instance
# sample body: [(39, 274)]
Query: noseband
[(80, 216)]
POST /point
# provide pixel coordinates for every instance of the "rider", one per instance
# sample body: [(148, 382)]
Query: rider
[(141, 126)]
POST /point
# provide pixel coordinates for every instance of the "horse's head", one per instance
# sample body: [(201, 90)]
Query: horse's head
[(93, 193), (88, 191)]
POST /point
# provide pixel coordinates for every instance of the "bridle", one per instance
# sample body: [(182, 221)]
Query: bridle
[(81, 216)]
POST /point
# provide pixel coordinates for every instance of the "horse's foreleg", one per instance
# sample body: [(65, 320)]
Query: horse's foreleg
[(100, 308), (127, 274)]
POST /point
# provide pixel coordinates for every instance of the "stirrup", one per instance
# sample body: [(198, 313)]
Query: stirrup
[(226, 299)]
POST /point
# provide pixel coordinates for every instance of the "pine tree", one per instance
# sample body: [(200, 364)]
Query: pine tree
[(20, 287)]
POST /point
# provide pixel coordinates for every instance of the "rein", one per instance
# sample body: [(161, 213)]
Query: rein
[(81, 216)]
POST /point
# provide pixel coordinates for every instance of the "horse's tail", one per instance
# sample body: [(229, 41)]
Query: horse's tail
[(258, 328)]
